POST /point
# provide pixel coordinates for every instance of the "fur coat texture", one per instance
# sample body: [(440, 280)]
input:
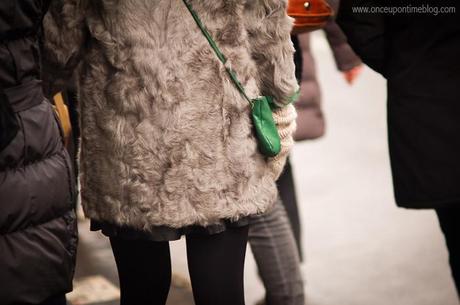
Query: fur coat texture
[(166, 137)]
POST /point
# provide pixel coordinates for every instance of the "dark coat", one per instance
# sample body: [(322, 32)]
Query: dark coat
[(37, 220), (419, 54), (310, 120)]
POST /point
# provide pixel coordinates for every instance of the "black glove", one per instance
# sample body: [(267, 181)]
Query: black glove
[(9, 126)]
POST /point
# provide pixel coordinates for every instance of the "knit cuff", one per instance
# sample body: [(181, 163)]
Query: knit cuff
[(285, 119)]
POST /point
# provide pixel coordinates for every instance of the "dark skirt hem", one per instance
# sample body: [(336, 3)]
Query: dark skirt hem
[(164, 233)]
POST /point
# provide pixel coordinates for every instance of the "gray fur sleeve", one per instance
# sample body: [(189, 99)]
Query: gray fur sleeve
[(64, 35), (269, 29)]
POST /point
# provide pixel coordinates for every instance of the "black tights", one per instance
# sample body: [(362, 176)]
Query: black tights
[(215, 262), (449, 219)]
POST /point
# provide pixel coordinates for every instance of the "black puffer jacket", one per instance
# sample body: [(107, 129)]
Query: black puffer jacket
[(37, 221)]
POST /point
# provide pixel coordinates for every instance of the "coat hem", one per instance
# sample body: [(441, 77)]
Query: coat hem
[(425, 205)]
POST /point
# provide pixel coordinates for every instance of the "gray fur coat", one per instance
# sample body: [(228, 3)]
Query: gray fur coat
[(166, 137)]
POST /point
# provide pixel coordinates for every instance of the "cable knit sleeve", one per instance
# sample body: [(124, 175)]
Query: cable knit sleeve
[(285, 119), (64, 36), (269, 28)]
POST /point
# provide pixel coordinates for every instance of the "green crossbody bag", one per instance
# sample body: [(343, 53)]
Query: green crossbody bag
[(261, 107)]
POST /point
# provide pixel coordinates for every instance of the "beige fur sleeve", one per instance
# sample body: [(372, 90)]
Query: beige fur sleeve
[(64, 36), (269, 29)]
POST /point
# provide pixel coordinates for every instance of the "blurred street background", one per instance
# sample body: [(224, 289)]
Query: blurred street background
[(359, 248)]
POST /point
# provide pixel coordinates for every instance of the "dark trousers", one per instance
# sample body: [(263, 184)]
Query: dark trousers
[(286, 189), (215, 262), (276, 255), (449, 219)]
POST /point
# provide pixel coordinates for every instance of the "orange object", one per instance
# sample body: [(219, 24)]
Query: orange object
[(309, 15), (64, 117)]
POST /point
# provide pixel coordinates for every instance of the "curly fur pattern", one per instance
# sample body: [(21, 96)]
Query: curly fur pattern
[(166, 137)]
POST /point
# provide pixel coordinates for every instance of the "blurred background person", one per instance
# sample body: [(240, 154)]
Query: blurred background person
[(418, 54), (310, 118), (275, 237), (38, 235)]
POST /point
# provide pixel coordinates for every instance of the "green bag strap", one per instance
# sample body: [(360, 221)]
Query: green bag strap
[(218, 52), (223, 59)]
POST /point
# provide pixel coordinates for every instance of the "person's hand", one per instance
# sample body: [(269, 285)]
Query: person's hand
[(352, 74)]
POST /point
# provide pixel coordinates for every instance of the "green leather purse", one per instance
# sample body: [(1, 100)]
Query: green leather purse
[(261, 107), (267, 134)]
